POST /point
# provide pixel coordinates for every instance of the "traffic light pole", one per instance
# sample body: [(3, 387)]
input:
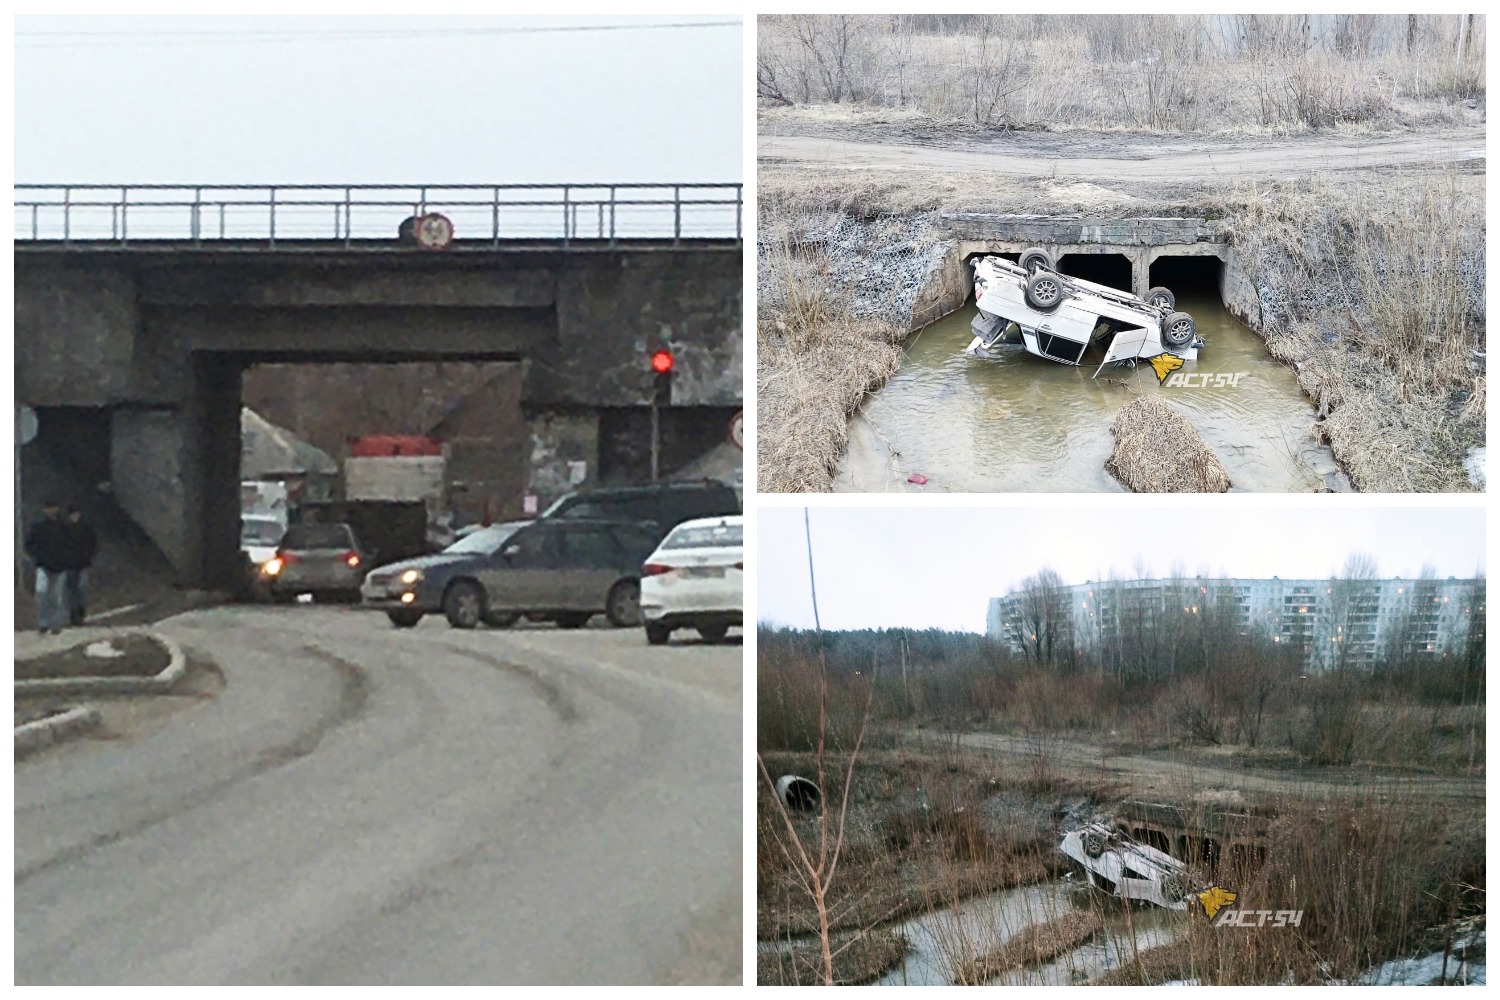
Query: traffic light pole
[(655, 439)]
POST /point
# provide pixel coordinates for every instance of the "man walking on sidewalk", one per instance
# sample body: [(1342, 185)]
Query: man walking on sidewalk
[(47, 546), (83, 544)]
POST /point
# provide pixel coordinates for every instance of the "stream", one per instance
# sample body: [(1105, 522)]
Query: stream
[(1020, 423)]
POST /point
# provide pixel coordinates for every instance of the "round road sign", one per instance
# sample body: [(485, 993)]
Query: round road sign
[(434, 231), (737, 430), (26, 425)]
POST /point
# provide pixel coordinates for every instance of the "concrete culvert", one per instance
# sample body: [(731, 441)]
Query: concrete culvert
[(798, 794), (1158, 451)]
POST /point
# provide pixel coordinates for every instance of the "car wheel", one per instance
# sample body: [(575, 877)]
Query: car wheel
[(1179, 330), (1162, 298), (713, 633), (463, 604), (624, 604), (657, 635), (1093, 845), (1044, 291), (576, 620), (501, 619), (404, 619), (1035, 257)]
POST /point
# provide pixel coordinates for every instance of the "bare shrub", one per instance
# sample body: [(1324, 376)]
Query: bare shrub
[(1162, 72)]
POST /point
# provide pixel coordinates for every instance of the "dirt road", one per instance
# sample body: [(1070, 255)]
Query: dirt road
[(1124, 157), (1180, 777)]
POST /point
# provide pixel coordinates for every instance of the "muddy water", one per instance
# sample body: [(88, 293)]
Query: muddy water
[(1020, 423), (983, 924)]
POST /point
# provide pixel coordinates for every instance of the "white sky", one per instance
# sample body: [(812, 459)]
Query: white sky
[(449, 104), (938, 568)]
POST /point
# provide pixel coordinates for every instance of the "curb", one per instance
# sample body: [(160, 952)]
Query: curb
[(114, 685), (44, 732)]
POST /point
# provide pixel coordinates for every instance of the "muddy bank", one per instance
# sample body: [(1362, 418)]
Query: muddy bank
[(836, 300)]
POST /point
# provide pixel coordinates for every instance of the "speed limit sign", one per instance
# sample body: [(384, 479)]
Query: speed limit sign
[(737, 430), (434, 231)]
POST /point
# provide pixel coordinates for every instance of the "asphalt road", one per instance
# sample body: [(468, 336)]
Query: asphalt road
[(366, 805)]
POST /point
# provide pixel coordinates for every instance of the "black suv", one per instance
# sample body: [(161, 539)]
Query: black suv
[(663, 505)]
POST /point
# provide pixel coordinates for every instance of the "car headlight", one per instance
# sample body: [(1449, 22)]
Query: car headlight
[(411, 576), (271, 566)]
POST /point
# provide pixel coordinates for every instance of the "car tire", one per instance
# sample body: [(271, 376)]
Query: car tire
[(1034, 257), (404, 619), (500, 619), (463, 604), (657, 635), (1044, 291), (574, 620), (1160, 296), (1093, 845), (623, 605), (1178, 330), (713, 633)]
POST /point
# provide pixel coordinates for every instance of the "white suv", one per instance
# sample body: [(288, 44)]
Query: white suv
[(1057, 317)]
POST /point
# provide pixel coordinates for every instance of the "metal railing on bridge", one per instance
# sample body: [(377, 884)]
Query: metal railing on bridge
[(368, 216)]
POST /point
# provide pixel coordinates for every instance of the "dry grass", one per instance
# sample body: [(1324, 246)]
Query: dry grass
[(859, 959), (1158, 451), (1036, 945), (1165, 73), (919, 832), (815, 362), (1383, 316)]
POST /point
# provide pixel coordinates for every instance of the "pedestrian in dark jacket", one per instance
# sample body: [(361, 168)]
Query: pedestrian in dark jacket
[(47, 545), (83, 545)]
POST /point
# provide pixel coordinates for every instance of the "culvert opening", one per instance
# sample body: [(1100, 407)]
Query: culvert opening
[(798, 794), (1193, 275), (1112, 269)]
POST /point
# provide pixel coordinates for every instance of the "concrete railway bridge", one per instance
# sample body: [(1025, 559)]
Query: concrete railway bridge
[(140, 308)]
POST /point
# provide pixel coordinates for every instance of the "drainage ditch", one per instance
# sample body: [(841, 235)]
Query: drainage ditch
[(1019, 423)]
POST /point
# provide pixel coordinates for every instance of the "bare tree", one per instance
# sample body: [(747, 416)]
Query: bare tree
[(1046, 619), (817, 867)]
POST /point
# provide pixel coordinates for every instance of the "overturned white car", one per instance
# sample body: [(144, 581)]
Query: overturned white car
[(1057, 317), (1122, 867)]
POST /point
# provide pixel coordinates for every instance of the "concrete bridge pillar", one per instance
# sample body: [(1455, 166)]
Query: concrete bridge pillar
[(175, 471)]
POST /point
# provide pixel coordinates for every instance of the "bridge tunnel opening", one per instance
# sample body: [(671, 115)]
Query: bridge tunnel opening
[(1197, 276), (1112, 269), (296, 427)]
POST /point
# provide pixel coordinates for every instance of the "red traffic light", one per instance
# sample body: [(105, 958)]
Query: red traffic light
[(661, 362)]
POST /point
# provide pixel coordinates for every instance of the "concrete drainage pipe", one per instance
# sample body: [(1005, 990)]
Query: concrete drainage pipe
[(798, 794)]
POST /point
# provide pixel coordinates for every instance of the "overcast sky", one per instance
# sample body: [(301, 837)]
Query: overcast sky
[(423, 99), (938, 568)]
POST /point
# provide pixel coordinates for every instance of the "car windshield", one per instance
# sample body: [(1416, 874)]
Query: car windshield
[(485, 540), (705, 536), (259, 531), (317, 536)]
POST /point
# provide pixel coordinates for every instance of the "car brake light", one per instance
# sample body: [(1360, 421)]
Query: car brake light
[(353, 560), (655, 569), (286, 557)]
